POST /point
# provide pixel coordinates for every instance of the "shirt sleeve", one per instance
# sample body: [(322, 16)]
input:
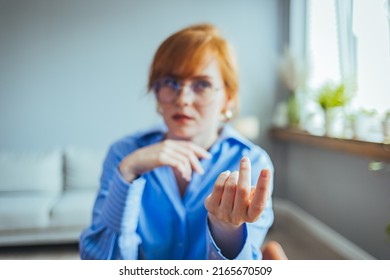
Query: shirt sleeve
[(109, 237), (254, 233), (214, 252)]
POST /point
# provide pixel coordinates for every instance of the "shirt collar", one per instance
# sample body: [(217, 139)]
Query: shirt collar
[(228, 133)]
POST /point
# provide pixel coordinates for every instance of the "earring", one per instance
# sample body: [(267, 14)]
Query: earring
[(226, 115)]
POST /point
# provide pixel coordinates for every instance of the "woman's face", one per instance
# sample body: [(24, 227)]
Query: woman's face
[(192, 114)]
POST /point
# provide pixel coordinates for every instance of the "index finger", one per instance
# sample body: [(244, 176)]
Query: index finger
[(198, 150), (192, 157), (214, 199)]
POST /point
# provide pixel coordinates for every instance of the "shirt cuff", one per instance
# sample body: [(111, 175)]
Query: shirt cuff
[(214, 252), (120, 194)]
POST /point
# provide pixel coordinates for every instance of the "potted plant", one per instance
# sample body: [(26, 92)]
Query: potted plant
[(365, 120), (332, 97), (293, 74)]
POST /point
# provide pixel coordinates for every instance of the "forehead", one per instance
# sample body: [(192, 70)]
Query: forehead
[(204, 66)]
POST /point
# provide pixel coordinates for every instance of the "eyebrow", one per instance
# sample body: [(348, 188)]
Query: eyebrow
[(207, 77), (202, 77)]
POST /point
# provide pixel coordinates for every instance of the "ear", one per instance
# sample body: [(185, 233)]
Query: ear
[(229, 105)]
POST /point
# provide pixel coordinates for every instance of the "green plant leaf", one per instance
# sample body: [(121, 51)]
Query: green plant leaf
[(331, 96), (293, 110)]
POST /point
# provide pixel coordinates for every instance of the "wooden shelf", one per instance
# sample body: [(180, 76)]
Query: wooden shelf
[(375, 151)]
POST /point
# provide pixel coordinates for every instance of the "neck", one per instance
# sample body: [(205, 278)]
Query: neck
[(205, 142)]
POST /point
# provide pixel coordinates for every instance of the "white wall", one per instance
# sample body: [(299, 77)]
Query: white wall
[(75, 72)]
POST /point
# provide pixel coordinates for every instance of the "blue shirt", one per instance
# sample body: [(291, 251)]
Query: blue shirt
[(148, 219)]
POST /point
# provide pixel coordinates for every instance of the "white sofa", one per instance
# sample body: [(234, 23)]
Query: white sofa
[(47, 197)]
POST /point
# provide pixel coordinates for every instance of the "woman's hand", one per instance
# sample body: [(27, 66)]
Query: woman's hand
[(182, 156), (233, 202)]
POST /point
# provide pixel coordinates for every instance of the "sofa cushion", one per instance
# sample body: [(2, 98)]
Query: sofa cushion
[(83, 168), (25, 210), (74, 208), (31, 171)]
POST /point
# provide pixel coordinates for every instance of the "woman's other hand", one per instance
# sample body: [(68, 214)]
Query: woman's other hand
[(182, 156)]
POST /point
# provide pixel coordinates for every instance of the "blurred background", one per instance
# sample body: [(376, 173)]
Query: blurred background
[(74, 74)]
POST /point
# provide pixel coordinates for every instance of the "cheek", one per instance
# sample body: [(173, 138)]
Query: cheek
[(165, 109), (214, 110), (210, 114)]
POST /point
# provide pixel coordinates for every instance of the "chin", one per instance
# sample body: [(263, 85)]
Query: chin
[(184, 133)]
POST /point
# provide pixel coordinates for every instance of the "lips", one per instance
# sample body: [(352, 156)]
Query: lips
[(182, 117)]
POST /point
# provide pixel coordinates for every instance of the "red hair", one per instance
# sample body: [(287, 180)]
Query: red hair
[(180, 54)]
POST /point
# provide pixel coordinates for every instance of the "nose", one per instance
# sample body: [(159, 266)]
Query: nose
[(185, 96)]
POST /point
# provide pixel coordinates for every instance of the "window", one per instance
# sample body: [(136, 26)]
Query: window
[(350, 40), (323, 55), (373, 59)]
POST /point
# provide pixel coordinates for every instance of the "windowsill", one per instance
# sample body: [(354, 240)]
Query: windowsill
[(377, 151)]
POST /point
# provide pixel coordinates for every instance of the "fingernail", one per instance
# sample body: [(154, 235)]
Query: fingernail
[(245, 163), (264, 173), (245, 159), (208, 155)]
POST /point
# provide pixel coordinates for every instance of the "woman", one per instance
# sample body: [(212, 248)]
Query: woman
[(168, 192)]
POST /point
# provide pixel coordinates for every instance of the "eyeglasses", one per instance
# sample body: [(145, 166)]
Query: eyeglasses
[(167, 89)]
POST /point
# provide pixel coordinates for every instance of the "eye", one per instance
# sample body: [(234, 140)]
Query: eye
[(201, 85), (169, 82)]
